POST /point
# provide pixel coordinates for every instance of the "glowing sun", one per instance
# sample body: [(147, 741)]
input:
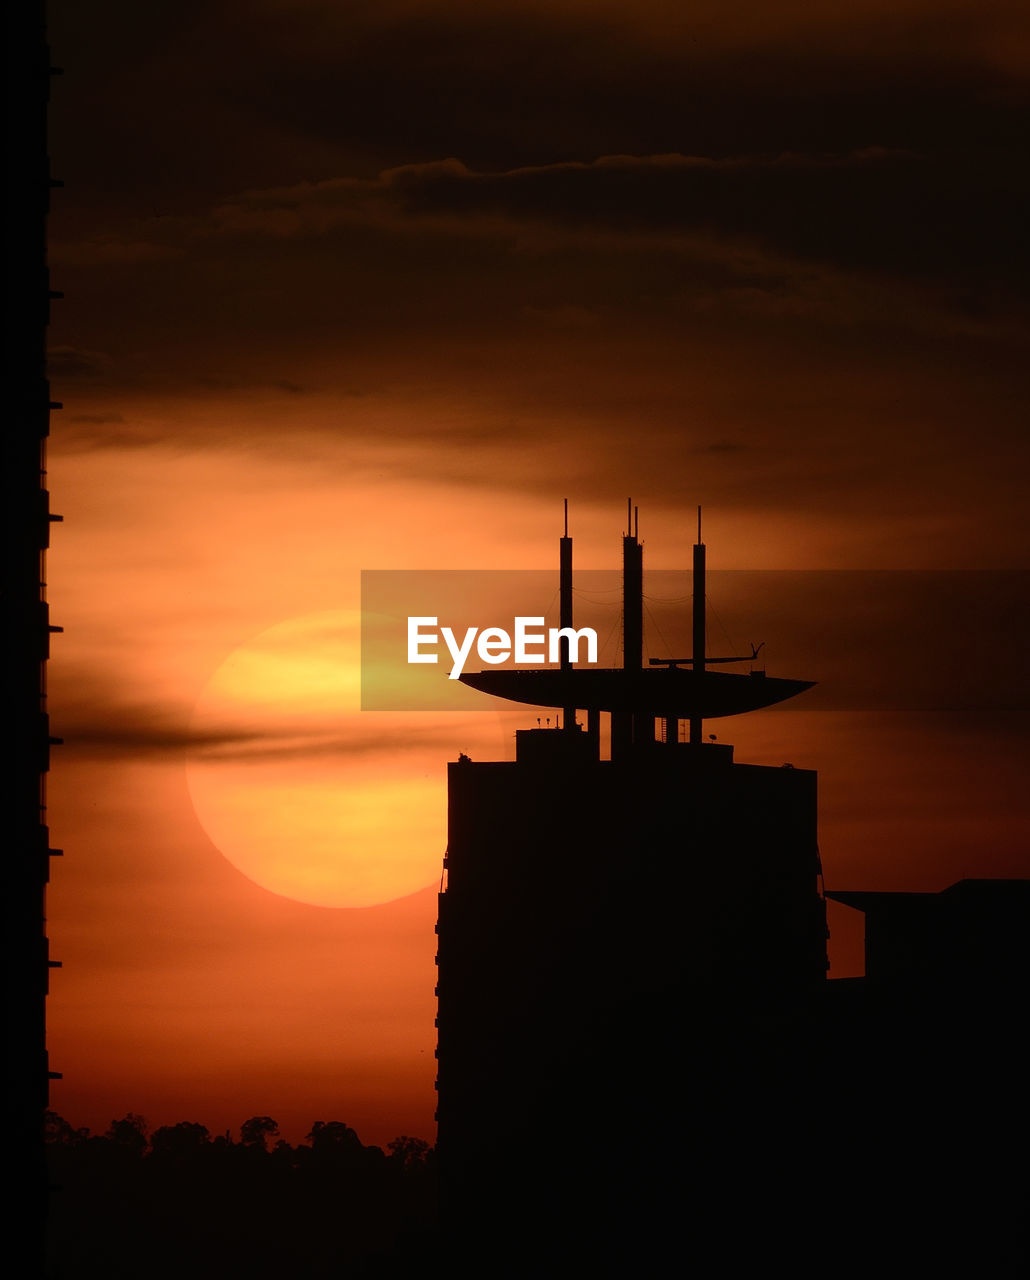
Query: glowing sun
[(305, 794)]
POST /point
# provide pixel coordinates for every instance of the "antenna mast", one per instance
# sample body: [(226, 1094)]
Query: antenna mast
[(565, 609), (698, 661)]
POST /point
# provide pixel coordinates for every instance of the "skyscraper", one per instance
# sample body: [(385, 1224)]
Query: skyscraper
[(629, 948)]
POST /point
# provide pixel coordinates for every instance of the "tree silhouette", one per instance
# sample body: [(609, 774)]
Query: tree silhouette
[(56, 1129), (335, 1150), (190, 1204), (257, 1131), (129, 1133), (328, 1135), (409, 1153), (179, 1140)]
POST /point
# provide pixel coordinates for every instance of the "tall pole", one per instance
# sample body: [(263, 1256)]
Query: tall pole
[(565, 609), (626, 727), (698, 662), (632, 602)]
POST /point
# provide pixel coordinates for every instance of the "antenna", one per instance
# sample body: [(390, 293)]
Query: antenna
[(627, 727), (698, 661), (565, 609)]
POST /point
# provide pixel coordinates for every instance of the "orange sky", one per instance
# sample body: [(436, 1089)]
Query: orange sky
[(378, 291)]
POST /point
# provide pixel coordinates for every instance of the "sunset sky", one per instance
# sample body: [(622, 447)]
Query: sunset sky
[(377, 286)]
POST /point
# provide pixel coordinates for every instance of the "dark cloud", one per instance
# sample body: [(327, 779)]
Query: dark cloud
[(73, 363), (103, 724), (601, 238), (216, 97), (872, 208), (889, 212), (87, 431), (442, 249)]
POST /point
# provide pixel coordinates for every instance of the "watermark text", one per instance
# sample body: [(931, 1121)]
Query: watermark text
[(494, 645)]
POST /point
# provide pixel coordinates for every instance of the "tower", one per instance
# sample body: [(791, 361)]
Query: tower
[(629, 948)]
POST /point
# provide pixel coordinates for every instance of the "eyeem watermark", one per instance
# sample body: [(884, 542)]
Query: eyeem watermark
[(494, 645)]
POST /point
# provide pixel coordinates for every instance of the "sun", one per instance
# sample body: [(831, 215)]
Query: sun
[(304, 793)]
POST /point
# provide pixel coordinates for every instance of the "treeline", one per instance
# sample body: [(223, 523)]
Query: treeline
[(179, 1200)]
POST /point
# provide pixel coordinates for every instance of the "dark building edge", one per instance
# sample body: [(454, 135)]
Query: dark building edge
[(27, 519)]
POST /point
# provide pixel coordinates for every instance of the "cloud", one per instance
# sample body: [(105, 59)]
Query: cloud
[(88, 431), (282, 93), (109, 252), (97, 727), (571, 243), (854, 209), (432, 250), (75, 362)]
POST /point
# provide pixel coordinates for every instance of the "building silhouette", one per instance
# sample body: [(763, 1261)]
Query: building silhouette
[(27, 519), (640, 1056), (631, 952), (925, 1063), (970, 941)]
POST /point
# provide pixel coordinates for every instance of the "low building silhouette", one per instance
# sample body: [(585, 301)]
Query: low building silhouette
[(925, 1064), (972, 938)]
